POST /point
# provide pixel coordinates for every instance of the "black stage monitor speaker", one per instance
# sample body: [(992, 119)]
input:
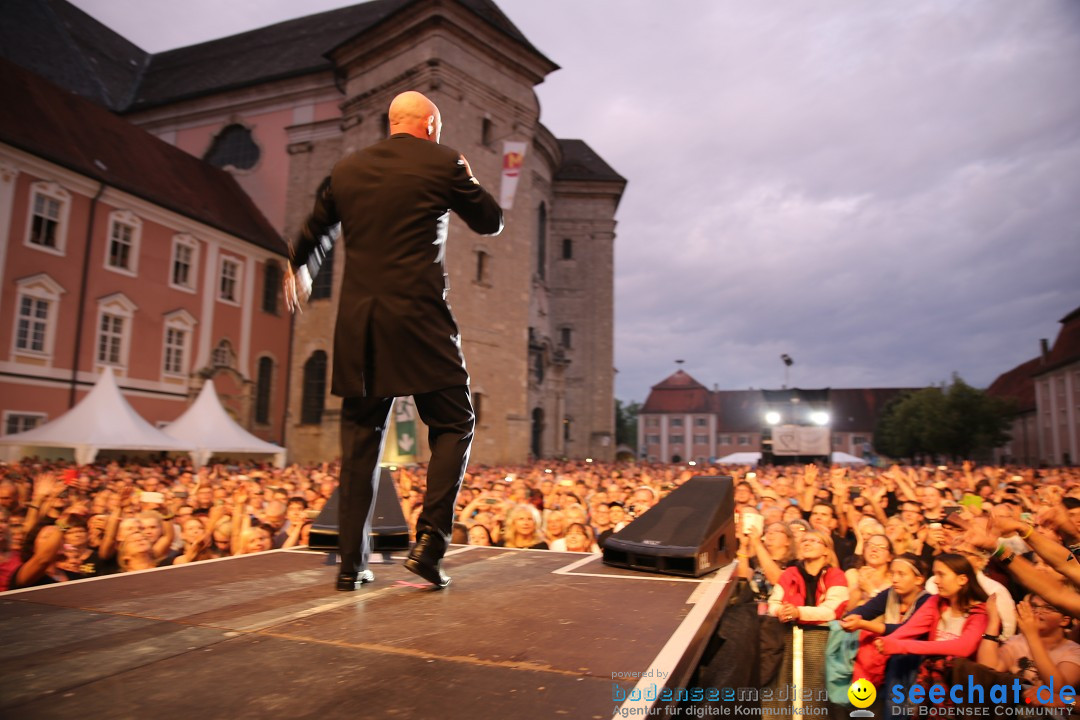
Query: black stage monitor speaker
[(389, 531), (690, 532)]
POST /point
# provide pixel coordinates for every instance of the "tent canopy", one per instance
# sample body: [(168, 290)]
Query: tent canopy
[(843, 458), (740, 458), (208, 430), (103, 420)]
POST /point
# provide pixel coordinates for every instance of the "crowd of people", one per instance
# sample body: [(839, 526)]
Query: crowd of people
[(925, 570)]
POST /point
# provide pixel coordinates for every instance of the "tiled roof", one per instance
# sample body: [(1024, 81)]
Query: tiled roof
[(677, 393), (1066, 349), (580, 162), (60, 42), (1018, 384), (84, 137)]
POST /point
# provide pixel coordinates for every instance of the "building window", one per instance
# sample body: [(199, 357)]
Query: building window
[(184, 258), (724, 440), (541, 241), (175, 345), (676, 439), (271, 282), (482, 267), (701, 422), (858, 441), (323, 282), (701, 439), (233, 147), (49, 205), (223, 355), (36, 303), (115, 314), (652, 439), (565, 335), (676, 422), (652, 422), (744, 440), (538, 367), (178, 327), (567, 249), (33, 324), (314, 396), (122, 253), (837, 441), (228, 287), (487, 130), (110, 339), (17, 422), (567, 423), (263, 379)]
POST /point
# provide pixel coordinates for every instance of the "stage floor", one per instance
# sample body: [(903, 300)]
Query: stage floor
[(518, 634)]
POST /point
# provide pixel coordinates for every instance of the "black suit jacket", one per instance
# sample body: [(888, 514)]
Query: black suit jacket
[(395, 333)]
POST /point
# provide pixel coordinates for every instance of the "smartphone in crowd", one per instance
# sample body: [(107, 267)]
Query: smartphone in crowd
[(855, 491), (753, 521)]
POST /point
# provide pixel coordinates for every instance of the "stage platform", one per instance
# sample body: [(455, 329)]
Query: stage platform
[(518, 634)]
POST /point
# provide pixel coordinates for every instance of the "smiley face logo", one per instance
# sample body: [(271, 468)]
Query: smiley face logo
[(862, 693)]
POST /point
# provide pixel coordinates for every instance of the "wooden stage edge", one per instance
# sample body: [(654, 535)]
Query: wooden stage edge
[(519, 633)]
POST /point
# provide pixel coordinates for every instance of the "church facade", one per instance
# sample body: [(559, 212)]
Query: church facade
[(277, 106)]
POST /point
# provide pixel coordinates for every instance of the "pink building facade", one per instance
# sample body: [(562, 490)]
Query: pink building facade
[(117, 250)]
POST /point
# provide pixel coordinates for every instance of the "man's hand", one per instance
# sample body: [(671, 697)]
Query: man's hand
[(295, 290), (463, 161)]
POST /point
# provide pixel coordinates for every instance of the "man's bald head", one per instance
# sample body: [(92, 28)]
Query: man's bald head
[(413, 113)]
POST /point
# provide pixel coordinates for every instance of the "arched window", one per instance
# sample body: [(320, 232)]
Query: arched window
[(233, 147), (271, 282), (323, 281), (223, 355), (541, 241), (263, 378), (314, 398)]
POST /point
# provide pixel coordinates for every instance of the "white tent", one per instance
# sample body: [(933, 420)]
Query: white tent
[(103, 420), (843, 458), (740, 458), (206, 427)]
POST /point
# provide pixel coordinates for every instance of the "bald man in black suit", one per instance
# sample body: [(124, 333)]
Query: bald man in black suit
[(395, 334)]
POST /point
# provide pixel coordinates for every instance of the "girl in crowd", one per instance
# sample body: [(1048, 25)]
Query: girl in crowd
[(576, 539), (883, 613), (871, 573), (523, 529), (949, 624), (479, 535)]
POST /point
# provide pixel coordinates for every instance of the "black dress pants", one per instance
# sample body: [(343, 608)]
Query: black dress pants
[(449, 416)]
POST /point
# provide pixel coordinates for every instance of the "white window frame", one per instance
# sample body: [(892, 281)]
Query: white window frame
[(133, 221), (38, 287), (180, 321), (8, 414), (52, 191), (117, 305), (191, 243), (238, 290)]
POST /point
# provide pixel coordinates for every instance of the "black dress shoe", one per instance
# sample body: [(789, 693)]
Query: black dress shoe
[(346, 582), (425, 559), (430, 572)]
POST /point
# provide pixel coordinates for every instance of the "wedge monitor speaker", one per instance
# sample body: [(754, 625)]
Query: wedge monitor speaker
[(691, 532), (389, 531)]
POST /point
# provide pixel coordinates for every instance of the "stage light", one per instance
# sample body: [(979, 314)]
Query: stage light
[(819, 418), (588, 460), (691, 463), (547, 470), (772, 417)]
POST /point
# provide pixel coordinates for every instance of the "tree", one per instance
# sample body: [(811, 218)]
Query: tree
[(626, 420), (958, 421)]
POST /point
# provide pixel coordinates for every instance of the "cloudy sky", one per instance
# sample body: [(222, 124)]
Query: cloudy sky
[(886, 191)]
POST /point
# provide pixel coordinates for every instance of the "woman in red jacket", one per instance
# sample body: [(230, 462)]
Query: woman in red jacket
[(950, 623), (813, 590)]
